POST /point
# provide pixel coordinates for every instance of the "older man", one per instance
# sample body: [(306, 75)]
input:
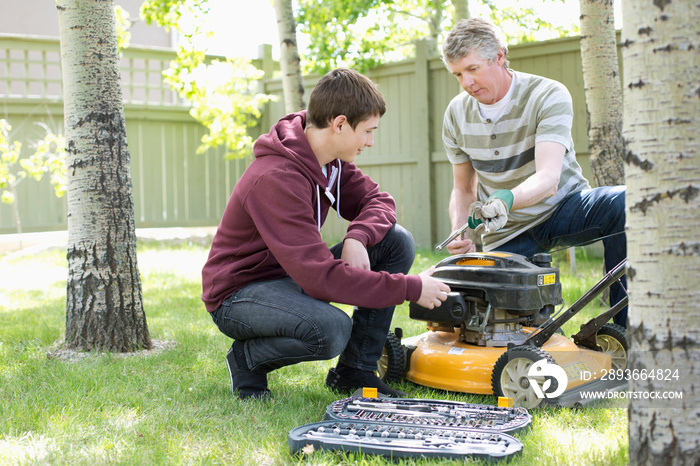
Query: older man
[(508, 137)]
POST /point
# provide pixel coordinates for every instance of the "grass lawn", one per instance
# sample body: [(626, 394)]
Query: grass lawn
[(174, 405)]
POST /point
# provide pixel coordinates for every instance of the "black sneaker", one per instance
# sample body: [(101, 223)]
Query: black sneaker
[(244, 383), (347, 380)]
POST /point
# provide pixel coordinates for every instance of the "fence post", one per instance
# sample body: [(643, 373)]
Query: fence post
[(267, 66), (266, 62), (423, 231)]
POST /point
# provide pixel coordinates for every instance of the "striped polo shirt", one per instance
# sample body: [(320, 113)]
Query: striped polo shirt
[(503, 151)]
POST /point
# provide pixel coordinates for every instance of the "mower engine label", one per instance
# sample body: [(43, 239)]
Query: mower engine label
[(546, 279)]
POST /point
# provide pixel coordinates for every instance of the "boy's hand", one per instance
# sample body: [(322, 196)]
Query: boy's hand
[(355, 254), (434, 291)]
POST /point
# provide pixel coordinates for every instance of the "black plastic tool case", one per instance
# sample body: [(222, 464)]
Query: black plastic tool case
[(437, 413), (415, 428), (399, 441)]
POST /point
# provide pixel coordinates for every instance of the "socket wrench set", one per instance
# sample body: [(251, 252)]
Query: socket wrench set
[(434, 413), (414, 428)]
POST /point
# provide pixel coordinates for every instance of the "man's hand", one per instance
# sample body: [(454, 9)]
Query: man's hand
[(434, 291), (494, 212), (355, 254)]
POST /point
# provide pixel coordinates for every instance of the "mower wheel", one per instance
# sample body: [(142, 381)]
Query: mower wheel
[(612, 338), (510, 376), (392, 364)]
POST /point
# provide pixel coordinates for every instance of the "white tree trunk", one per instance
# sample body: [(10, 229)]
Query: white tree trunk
[(435, 20), (104, 299), (290, 63), (461, 8), (601, 80), (662, 131)]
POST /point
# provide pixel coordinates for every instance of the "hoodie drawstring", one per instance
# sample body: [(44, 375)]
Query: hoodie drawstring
[(318, 206), (337, 205), (334, 176)]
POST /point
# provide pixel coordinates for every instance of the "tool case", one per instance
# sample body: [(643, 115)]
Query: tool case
[(415, 428), (400, 441), (437, 413)]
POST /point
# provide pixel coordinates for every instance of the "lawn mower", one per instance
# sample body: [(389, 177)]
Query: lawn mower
[(499, 333)]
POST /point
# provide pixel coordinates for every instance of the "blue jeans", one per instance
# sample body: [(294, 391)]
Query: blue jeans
[(580, 218), (281, 325)]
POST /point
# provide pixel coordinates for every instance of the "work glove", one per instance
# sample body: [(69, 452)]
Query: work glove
[(493, 213)]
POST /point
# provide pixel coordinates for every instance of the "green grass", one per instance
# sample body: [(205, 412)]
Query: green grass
[(175, 406)]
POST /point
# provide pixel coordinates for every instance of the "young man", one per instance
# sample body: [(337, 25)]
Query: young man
[(508, 137), (270, 277)]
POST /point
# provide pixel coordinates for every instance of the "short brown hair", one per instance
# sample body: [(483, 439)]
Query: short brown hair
[(474, 35), (344, 92)]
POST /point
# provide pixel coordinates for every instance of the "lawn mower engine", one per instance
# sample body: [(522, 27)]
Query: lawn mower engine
[(497, 330), (493, 296)]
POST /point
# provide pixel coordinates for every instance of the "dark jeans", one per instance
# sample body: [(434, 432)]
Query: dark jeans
[(581, 218), (282, 325)]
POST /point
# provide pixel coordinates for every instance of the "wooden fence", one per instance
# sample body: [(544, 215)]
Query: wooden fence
[(174, 186)]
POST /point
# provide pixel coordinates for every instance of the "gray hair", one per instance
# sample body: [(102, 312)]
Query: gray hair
[(474, 35)]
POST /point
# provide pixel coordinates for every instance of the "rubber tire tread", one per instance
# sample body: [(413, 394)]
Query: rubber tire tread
[(617, 332), (530, 352), (396, 359)]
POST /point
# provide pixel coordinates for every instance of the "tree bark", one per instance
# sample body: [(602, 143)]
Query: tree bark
[(661, 129), (461, 8), (435, 19), (104, 308), (603, 92), (290, 63)]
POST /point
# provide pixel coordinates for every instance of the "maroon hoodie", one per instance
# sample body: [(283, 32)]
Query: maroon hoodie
[(270, 228)]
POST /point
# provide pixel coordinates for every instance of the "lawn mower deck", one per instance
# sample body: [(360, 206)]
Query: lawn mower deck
[(496, 334)]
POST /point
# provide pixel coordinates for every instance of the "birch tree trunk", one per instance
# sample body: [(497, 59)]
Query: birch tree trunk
[(601, 80), (461, 8), (104, 300), (435, 20), (290, 63), (662, 130)]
